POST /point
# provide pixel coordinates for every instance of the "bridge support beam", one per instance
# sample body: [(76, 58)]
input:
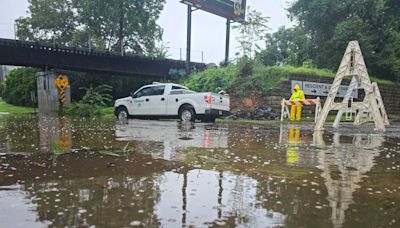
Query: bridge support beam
[(49, 94)]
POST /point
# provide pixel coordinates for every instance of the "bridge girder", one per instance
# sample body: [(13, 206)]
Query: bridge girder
[(34, 54)]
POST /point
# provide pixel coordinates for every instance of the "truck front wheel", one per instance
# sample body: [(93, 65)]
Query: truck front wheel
[(121, 113), (187, 114)]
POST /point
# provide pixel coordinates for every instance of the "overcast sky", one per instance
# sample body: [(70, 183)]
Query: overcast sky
[(208, 30)]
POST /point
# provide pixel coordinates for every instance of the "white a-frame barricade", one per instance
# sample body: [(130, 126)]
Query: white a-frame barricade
[(370, 109)]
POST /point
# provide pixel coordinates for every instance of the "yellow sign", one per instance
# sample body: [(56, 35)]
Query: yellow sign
[(61, 82)]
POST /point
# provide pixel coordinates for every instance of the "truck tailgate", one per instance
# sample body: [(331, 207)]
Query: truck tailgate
[(220, 102)]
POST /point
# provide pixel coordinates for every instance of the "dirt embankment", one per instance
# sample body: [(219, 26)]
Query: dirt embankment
[(247, 102)]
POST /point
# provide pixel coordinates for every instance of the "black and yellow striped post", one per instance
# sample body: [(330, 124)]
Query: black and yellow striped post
[(62, 83)]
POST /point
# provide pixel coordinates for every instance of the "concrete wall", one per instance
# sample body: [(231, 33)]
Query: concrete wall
[(390, 94), (48, 93)]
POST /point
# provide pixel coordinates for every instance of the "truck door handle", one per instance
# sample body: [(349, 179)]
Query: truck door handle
[(147, 99), (162, 98)]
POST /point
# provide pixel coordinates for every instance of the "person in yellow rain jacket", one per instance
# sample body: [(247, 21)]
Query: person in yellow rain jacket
[(293, 150), (295, 111)]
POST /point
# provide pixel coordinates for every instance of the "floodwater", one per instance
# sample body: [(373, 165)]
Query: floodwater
[(60, 172)]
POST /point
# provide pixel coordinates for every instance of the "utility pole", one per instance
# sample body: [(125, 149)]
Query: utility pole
[(90, 43), (228, 33), (121, 28), (189, 36), (15, 31)]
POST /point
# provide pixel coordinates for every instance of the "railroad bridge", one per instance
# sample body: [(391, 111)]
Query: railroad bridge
[(53, 56)]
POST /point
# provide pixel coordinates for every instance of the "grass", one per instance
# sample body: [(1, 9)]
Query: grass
[(107, 112), (12, 109), (309, 71)]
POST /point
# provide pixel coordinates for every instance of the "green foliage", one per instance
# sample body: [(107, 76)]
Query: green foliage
[(160, 50), (251, 31), (286, 47), (330, 25), (82, 110), (48, 19), (99, 96), (309, 71), (2, 88), (92, 103), (213, 79), (106, 24), (251, 75), (263, 79), (246, 75), (245, 66), (19, 84)]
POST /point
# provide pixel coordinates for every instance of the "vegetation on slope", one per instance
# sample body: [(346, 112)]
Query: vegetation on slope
[(251, 75)]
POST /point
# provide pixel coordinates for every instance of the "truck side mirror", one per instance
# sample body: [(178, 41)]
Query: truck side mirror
[(133, 95)]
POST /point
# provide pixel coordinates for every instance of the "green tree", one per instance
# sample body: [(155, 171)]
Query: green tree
[(289, 46), (331, 25), (253, 30), (48, 20), (105, 24), (19, 84)]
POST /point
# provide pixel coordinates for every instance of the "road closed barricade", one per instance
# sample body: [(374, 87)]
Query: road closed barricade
[(308, 102)]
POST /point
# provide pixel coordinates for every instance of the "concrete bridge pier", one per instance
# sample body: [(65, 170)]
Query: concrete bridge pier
[(51, 98)]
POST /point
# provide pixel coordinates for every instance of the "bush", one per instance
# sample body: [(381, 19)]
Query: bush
[(18, 86), (213, 79), (92, 102), (246, 66), (247, 75), (82, 110)]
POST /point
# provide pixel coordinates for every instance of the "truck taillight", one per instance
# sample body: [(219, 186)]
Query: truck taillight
[(208, 99)]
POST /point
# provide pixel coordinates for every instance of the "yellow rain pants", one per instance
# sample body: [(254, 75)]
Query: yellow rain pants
[(295, 112)]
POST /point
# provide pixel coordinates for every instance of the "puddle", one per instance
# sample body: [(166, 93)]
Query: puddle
[(94, 172)]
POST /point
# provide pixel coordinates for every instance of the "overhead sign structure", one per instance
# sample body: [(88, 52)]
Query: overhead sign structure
[(322, 89), (231, 9)]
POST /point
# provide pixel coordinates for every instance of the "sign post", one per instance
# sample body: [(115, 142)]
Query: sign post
[(232, 10), (62, 83), (228, 32), (189, 37)]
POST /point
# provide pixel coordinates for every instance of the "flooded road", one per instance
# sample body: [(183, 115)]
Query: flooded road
[(97, 173)]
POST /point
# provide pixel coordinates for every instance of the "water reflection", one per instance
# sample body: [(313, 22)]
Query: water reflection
[(171, 137), (55, 134), (168, 174), (343, 165)]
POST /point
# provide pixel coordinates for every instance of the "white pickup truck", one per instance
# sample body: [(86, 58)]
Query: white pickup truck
[(170, 100)]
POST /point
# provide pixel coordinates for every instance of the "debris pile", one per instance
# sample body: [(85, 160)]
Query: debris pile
[(260, 113)]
